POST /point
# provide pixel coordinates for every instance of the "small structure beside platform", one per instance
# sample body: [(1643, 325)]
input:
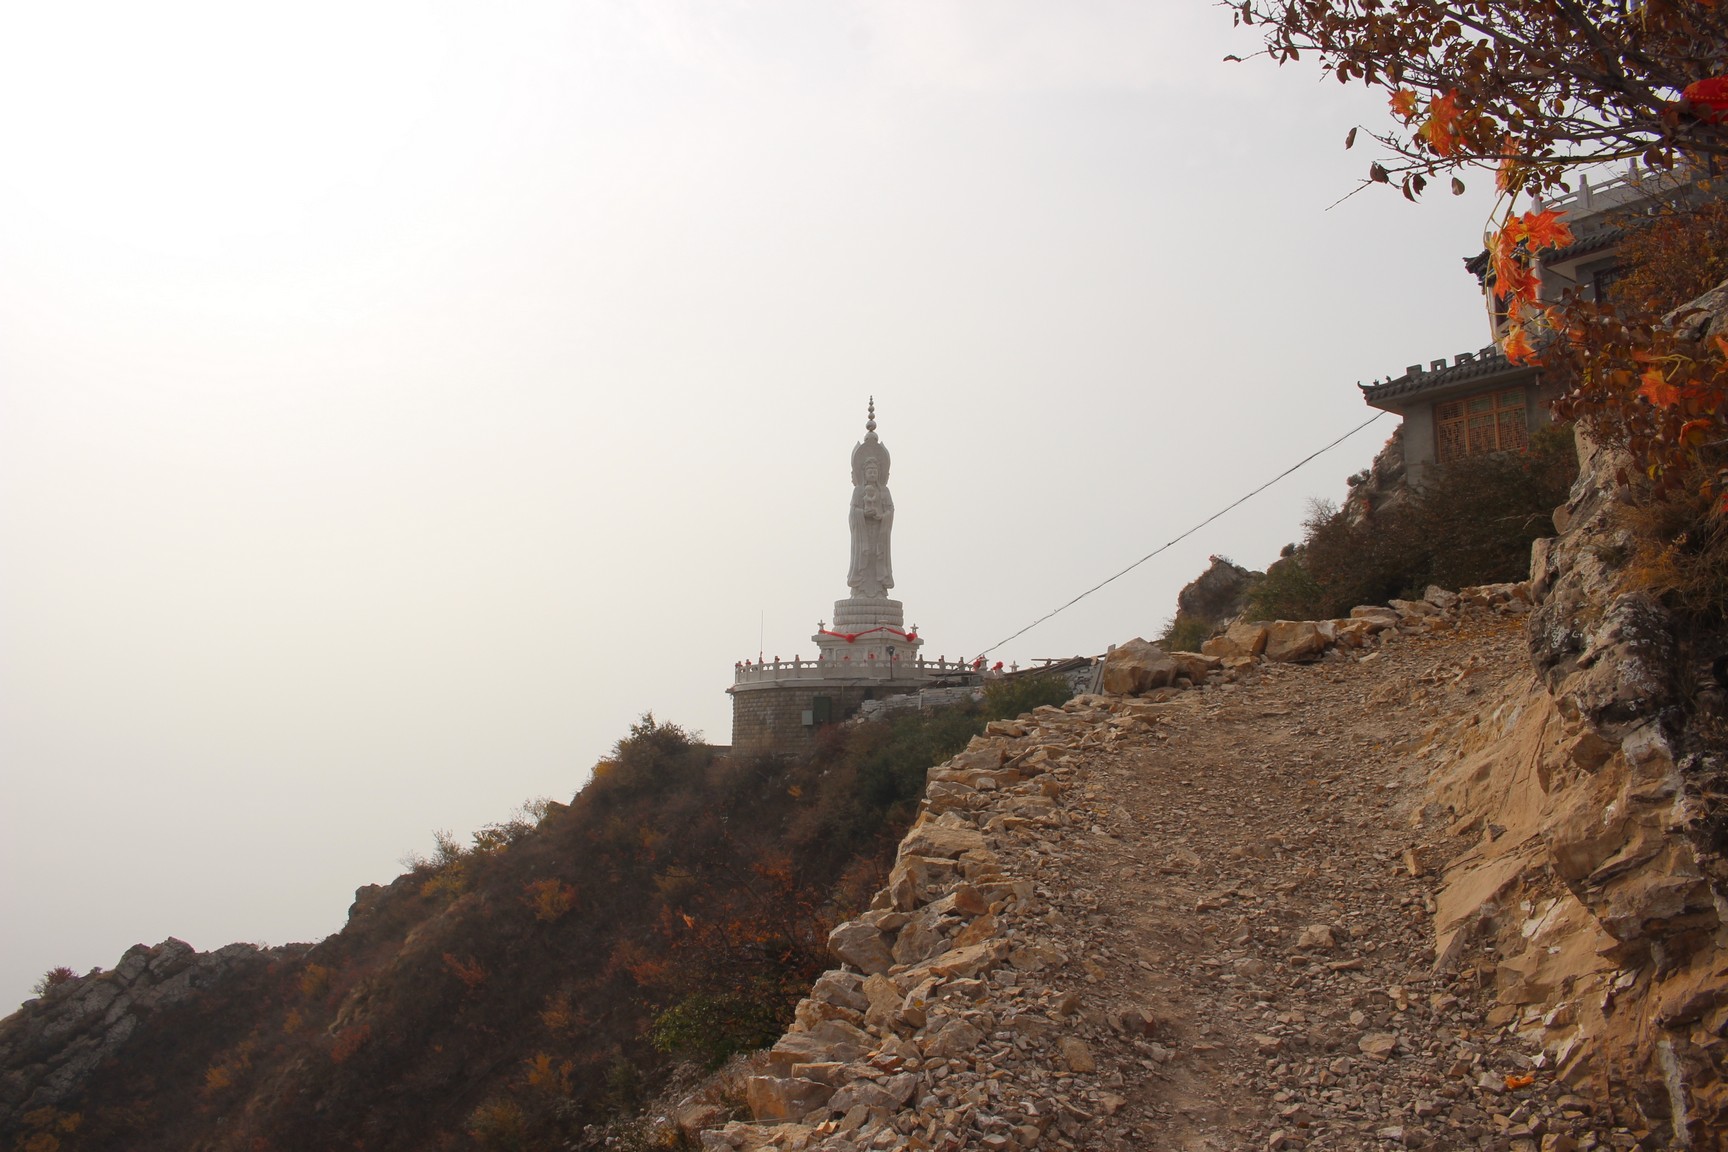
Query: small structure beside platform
[(867, 653)]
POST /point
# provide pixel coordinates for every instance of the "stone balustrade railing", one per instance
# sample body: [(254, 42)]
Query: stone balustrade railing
[(1611, 192), (746, 672)]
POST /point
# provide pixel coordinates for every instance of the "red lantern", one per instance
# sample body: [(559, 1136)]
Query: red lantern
[(1708, 99)]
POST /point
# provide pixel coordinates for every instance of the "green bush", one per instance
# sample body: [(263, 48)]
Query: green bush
[(863, 782), (1185, 633), (499, 1125), (1288, 591), (1006, 699), (1473, 523), (711, 1029)]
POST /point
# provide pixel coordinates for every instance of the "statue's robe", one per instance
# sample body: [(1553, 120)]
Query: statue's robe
[(872, 569)]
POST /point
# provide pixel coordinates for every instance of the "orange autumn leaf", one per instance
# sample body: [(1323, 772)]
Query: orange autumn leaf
[(1511, 271), (1404, 104), (1517, 346), (1545, 229), (1516, 281), (1654, 387), (1563, 322), (1510, 172), (1441, 127), (1505, 242)]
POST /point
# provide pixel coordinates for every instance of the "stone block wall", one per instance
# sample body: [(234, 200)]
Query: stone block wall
[(771, 718), (918, 701)]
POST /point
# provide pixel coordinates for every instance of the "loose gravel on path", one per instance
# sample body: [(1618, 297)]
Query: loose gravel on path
[(1239, 887)]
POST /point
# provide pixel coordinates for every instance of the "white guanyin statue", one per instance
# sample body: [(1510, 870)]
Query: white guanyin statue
[(872, 516)]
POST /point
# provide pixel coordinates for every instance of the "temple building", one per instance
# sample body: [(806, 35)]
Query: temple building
[(866, 653), (1481, 403)]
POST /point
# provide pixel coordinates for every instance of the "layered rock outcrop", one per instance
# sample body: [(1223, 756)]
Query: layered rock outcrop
[(1383, 486), (1217, 594), (52, 1044), (1596, 888)]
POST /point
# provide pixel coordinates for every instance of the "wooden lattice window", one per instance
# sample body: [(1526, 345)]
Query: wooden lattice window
[(1475, 425), (1602, 282)]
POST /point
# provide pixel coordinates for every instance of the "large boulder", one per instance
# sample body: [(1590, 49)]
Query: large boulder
[(944, 838), (774, 1098), (1376, 616), (1240, 639), (1290, 641), (860, 946), (1196, 666), (1138, 666), (1349, 633), (917, 880)]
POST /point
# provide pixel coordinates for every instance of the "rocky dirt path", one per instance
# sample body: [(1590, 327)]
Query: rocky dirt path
[(1191, 920), (1248, 882)]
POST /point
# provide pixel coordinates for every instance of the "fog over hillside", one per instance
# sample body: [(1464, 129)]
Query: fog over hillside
[(396, 402)]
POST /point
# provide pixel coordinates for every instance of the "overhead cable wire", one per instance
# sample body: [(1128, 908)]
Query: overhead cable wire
[(1178, 539)]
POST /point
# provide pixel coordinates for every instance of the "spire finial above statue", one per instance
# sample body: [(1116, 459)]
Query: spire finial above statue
[(870, 424)]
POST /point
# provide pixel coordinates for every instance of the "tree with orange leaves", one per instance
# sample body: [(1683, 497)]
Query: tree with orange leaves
[(1531, 87), (1535, 89)]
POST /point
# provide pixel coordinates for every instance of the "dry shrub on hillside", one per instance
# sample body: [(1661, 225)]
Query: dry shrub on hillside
[(678, 886), (46, 1128), (550, 899), (1680, 555), (499, 1125), (1646, 376), (52, 979), (1473, 523), (1677, 255), (470, 971)]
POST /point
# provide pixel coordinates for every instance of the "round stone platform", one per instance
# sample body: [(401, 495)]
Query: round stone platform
[(857, 613)]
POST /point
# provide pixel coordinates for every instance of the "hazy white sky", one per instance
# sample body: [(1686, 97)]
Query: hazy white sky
[(396, 400)]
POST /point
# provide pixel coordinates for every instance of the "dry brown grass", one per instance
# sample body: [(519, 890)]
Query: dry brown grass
[(1680, 555)]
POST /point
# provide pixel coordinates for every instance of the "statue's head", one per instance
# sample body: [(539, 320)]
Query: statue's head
[(870, 463), (871, 453)]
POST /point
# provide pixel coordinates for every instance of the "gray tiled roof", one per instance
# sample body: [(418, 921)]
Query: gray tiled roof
[(1597, 241), (1583, 246), (1466, 366)]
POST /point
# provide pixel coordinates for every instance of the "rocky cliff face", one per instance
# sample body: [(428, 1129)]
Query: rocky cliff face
[(1594, 887), (1218, 595), (50, 1046), (1383, 486)]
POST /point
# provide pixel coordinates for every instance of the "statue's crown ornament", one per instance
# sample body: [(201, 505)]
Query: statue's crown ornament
[(869, 449)]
